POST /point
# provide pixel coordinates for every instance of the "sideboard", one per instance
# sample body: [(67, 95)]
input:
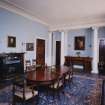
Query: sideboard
[(85, 61)]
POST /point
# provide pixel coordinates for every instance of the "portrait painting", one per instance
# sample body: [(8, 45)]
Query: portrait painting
[(11, 41), (29, 46), (80, 43)]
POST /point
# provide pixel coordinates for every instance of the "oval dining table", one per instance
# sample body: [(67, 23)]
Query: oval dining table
[(45, 76)]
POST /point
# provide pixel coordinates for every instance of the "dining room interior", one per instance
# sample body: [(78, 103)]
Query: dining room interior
[(52, 52)]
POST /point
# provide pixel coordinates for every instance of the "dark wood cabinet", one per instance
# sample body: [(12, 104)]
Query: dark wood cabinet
[(85, 61), (11, 64)]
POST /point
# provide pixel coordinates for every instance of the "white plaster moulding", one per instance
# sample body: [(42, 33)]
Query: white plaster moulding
[(78, 25), (70, 25), (19, 11)]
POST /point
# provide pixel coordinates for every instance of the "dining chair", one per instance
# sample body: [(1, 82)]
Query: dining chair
[(28, 65), (22, 92), (38, 65), (33, 64), (68, 76), (71, 71), (51, 68), (57, 87)]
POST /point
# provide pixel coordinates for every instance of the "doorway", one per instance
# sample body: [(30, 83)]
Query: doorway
[(102, 56), (58, 53), (102, 49), (40, 52)]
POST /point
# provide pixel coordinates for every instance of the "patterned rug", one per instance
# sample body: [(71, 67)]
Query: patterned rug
[(81, 91), (103, 93)]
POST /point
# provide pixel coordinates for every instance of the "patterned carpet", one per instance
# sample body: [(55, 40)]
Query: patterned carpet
[(103, 93), (81, 91)]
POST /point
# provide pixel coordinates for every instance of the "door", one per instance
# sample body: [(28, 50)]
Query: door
[(58, 52), (40, 52), (102, 56), (102, 50)]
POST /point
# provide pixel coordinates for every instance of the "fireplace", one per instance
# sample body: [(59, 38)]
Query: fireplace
[(84, 63), (11, 64)]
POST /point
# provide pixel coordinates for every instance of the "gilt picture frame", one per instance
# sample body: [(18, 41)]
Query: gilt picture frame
[(29, 46), (79, 43), (11, 41)]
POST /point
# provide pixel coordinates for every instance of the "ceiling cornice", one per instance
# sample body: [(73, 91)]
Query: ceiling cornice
[(82, 23), (100, 22), (12, 8)]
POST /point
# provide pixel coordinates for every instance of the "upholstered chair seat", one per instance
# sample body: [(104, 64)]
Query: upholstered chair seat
[(57, 84), (67, 76), (23, 91), (29, 93)]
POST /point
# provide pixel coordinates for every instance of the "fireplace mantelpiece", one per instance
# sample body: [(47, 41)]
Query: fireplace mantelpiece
[(85, 61)]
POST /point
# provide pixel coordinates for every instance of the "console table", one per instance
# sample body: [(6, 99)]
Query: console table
[(85, 61)]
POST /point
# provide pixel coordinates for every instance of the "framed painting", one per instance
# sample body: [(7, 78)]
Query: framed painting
[(80, 43), (11, 41), (29, 46)]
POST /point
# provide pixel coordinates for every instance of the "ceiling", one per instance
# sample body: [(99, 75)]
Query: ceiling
[(61, 12)]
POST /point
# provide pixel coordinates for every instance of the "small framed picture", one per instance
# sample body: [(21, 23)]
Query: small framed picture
[(80, 43), (11, 41), (29, 46)]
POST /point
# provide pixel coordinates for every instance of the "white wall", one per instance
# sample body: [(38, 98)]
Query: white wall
[(70, 42), (25, 31), (56, 37), (101, 32), (87, 33)]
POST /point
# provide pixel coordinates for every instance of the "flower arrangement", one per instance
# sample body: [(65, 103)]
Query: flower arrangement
[(78, 53)]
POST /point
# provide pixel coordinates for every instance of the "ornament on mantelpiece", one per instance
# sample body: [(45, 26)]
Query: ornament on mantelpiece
[(78, 54)]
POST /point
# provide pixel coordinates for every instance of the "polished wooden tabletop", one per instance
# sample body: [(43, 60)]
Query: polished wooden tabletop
[(46, 75)]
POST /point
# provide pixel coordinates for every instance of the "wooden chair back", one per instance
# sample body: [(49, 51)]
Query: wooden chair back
[(21, 91), (28, 65)]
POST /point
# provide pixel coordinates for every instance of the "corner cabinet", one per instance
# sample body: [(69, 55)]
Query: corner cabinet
[(85, 61)]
